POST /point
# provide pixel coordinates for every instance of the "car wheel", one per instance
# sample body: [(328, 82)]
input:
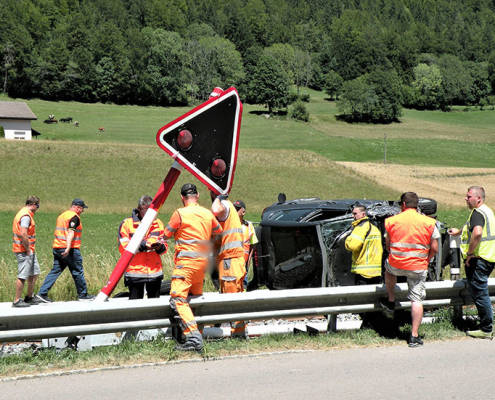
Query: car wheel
[(427, 206)]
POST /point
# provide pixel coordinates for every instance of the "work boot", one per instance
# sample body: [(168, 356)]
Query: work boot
[(479, 334), (388, 307), (32, 300), (86, 297), (194, 342), (43, 298), (414, 341), (189, 346), (20, 303), (176, 329)]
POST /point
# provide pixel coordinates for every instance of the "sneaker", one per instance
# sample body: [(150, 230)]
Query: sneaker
[(479, 334), (414, 341), (189, 345), (88, 297), (387, 306), (42, 298), (20, 303), (32, 300)]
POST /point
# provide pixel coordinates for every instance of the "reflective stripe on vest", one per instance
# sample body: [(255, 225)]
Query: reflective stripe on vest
[(232, 238), (486, 247), (62, 229), (192, 238), (17, 246), (410, 236), (146, 264)]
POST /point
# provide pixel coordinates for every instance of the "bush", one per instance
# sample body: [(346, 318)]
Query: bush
[(299, 112), (2, 132), (374, 97), (305, 97)]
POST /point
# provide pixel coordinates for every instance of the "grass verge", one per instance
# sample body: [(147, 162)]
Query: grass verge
[(161, 350)]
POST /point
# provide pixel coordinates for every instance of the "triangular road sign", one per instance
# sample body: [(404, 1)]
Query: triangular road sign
[(205, 140)]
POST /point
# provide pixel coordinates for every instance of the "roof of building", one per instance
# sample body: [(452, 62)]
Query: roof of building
[(15, 110)]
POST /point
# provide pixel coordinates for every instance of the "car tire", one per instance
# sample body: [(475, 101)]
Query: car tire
[(427, 206)]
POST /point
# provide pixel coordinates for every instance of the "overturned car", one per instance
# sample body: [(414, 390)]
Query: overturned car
[(301, 242)]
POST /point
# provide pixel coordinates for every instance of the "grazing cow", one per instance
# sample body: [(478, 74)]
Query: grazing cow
[(76, 124), (66, 119), (101, 130)]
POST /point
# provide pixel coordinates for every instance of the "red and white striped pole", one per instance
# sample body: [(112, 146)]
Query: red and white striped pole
[(132, 247)]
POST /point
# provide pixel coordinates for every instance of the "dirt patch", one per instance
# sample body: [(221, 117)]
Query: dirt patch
[(447, 185)]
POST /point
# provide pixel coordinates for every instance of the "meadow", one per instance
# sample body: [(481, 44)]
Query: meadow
[(110, 171)]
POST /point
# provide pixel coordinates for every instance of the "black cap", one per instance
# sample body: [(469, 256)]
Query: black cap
[(238, 204), (188, 188), (79, 202)]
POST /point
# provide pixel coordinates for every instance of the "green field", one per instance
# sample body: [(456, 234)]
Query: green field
[(110, 171)]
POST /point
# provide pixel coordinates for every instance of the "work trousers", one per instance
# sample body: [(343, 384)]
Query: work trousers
[(186, 280), (136, 287), (74, 262), (477, 273), (231, 273)]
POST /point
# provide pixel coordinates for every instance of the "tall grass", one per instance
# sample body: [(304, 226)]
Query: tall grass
[(110, 171), (111, 177)]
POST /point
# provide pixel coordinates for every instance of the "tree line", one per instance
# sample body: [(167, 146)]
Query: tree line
[(375, 56)]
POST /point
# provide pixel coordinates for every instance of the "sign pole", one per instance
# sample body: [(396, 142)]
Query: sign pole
[(132, 247)]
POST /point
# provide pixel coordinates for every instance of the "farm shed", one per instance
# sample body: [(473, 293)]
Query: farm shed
[(15, 118)]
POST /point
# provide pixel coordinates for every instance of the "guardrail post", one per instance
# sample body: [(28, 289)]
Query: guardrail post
[(455, 274), (332, 323)]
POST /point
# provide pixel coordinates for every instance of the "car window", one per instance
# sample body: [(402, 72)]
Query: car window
[(332, 229), (287, 215)]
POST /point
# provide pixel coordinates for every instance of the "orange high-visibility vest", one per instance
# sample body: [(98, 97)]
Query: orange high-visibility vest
[(17, 246), (144, 264), (192, 227), (410, 236), (62, 229), (232, 238)]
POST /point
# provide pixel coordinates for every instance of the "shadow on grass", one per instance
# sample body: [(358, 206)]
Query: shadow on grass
[(352, 118), (279, 113)]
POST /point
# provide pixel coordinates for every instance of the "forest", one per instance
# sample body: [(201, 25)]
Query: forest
[(426, 54)]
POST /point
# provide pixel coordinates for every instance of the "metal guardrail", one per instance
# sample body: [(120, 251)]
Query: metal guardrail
[(82, 318)]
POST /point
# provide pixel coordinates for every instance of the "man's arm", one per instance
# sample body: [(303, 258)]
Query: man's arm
[(474, 242), (355, 240), (172, 225), (219, 210), (433, 248), (25, 240), (68, 238)]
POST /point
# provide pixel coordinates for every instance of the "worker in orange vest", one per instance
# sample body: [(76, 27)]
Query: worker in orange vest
[(249, 238), (192, 227), (411, 241), (23, 246), (67, 253), (230, 258), (145, 268)]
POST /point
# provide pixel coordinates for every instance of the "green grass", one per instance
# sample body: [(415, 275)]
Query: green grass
[(160, 350), (110, 172)]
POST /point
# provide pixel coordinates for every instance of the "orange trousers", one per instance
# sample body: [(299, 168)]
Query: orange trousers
[(186, 280), (231, 272)]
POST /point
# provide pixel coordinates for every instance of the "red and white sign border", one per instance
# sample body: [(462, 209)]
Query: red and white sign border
[(226, 95)]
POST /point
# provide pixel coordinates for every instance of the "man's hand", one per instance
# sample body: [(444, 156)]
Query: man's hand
[(468, 260), (453, 231), (160, 247), (65, 253)]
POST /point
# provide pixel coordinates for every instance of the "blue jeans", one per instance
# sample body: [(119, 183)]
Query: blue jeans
[(477, 274), (74, 261)]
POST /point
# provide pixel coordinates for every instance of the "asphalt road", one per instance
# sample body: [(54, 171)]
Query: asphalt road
[(461, 369)]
